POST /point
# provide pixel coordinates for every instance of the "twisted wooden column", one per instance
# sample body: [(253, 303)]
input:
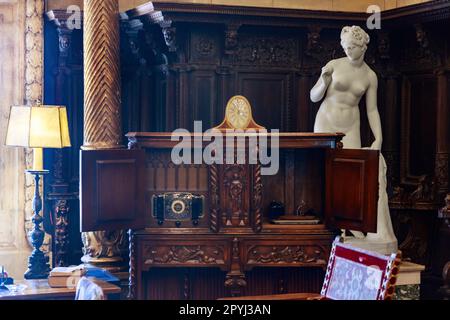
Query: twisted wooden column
[(102, 114), (102, 117)]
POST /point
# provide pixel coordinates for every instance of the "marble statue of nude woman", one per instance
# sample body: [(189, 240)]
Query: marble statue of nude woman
[(342, 84)]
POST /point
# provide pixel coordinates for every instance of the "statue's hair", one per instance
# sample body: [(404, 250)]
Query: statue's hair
[(356, 35)]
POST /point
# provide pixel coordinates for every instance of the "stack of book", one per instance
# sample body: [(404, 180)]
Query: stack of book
[(66, 277)]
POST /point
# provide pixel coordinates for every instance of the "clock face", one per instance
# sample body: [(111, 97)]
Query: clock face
[(238, 112)]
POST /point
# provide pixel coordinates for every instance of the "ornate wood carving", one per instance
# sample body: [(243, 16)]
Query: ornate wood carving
[(285, 254), (184, 254), (236, 213), (235, 279), (267, 51), (170, 35), (102, 121), (231, 38), (424, 55), (422, 196), (61, 238)]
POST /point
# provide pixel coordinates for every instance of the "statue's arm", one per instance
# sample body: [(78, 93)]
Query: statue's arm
[(318, 91), (372, 112)]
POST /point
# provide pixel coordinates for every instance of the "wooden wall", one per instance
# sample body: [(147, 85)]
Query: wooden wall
[(207, 57)]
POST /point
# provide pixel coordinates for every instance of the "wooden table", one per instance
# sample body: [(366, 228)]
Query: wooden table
[(40, 290)]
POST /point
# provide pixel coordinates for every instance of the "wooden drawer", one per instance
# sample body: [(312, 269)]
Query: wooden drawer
[(284, 253), (178, 253)]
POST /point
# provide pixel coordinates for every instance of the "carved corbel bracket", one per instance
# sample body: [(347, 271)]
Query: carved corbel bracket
[(64, 44), (170, 35), (235, 279)]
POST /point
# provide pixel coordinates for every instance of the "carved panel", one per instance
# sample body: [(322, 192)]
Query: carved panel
[(235, 196), (267, 51), (288, 254), (61, 237), (423, 54), (157, 254), (204, 45)]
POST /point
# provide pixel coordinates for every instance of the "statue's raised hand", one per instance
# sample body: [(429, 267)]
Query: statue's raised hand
[(327, 71)]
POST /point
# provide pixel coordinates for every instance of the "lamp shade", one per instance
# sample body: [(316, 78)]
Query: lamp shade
[(38, 127)]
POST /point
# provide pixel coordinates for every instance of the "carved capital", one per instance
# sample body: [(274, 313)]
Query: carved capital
[(105, 248), (64, 44), (170, 37)]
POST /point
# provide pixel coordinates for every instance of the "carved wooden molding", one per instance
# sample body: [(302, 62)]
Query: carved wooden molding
[(285, 254), (62, 237), (102, 102), (184, 254), (235, 279)]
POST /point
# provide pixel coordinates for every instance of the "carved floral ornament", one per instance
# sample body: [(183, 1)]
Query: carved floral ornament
[(184, 254), (285, 254)]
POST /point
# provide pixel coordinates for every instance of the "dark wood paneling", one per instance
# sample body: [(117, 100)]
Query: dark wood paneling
[(113, 190), (269, 95), (352, 189)]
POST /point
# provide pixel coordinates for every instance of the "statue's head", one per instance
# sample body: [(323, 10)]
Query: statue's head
[(354, 41)]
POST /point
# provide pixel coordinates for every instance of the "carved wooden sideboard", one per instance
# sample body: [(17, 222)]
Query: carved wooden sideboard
[(232, 249)]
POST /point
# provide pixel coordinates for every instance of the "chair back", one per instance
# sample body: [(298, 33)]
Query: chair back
[(357, 274), (88, 290)]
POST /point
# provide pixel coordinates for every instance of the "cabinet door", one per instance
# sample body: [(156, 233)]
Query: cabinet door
[(112, 193), (351, 189)]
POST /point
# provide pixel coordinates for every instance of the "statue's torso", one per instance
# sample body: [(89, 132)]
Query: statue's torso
[(340, 109)]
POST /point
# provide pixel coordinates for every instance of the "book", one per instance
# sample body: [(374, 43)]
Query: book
[(63, 281), (75, 271)]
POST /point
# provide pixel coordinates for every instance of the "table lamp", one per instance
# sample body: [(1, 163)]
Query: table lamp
[(37, 127)]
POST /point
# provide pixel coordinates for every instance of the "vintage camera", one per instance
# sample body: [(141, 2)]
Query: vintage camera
[(178, 207)]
